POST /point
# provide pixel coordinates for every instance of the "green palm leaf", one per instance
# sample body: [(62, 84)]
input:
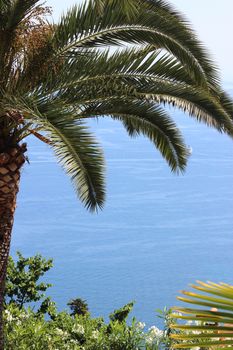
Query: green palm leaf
[(153, 22), (74, 146), (18, 11), (79, 154), (140, 118), (181, 28), (204, 107), (70, 78), (212, 324), (145, 61), (141, 74)]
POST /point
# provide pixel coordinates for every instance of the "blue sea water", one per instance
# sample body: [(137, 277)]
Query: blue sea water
[(158, 231)]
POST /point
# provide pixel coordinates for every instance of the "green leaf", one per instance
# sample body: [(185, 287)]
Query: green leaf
[(211, 327), (148, 120)]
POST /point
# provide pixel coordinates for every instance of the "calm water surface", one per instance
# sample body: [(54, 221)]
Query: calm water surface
[(157, 233)]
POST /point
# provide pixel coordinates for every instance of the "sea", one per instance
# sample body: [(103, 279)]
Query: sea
[(158, 231)]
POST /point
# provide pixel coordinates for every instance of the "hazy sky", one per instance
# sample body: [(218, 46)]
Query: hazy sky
[(212, 20)]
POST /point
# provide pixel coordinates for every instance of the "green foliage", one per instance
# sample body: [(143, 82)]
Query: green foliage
[(78, 307), (22, 282), (203, 328), (48, 307), (26, 328), (121, 315)]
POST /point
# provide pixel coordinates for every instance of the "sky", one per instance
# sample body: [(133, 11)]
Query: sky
[(212, 21)]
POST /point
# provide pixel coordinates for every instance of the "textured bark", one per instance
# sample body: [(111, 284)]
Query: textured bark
[(11, 161)]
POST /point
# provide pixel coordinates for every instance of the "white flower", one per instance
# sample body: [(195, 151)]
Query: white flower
[(155, 332), (154, 336), (149, 340), (95, 334), (9, 317), (115, 337), (78, 328), (140, 325), (24, 315), (59, 331), (65, 334)]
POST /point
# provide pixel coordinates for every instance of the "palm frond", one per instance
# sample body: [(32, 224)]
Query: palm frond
[(179, 26), (19, 10), (80, 156), (199, 104), (208, 326), (196, 102), (83, 27), (142, 74), (147, 119), (143, 35), (74, 146), (144, 61), (226, 102)]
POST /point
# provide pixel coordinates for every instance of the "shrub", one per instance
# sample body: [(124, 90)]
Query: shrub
[(28, 327)]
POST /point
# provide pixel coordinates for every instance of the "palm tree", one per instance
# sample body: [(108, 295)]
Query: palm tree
[(211, 325), (122, 59)]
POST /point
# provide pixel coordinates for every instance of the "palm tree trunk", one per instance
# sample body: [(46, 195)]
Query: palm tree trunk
[(11, 162)]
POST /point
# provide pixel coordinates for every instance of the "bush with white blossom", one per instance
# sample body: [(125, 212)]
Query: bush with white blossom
[(40, 327), (25, 329)]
